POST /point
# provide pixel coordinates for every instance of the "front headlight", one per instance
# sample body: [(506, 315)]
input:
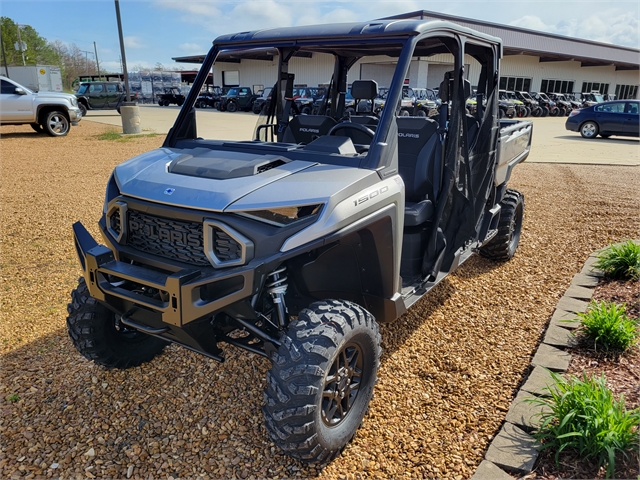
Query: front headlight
[(74, 101), (283, 216)]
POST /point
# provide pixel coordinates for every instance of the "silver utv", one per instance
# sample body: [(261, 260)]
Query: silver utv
[(296, 243)]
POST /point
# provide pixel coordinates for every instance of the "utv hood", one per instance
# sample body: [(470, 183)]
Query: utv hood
[(201, 178)]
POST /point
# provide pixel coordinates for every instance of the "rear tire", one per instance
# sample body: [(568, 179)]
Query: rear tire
[(503, 246), (92, 328), (605, 136), (322, 379), (545, 112)]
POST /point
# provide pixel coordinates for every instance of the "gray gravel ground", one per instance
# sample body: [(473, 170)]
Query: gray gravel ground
[(449, 370)]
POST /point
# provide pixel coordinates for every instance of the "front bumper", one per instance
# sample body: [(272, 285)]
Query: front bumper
[(75, 115), (184, 296)]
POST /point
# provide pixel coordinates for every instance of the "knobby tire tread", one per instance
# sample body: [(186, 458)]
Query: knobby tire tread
[(87, 325), (498, 247), (296, 376)]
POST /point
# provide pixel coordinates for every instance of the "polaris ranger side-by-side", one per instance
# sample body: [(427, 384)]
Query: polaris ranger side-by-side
[(296, 243)]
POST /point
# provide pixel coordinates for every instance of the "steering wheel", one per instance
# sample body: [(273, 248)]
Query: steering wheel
[(354, 126)]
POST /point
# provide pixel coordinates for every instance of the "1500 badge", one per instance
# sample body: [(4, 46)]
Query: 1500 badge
[(373, 194)]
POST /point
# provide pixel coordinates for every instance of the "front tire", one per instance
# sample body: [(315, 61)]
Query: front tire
[(322, 379), (94, 333), (232, 107), (37, 127), (503, 246), (55, 124), (589, 129), (83, 109)]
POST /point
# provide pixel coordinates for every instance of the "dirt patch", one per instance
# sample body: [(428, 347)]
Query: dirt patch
[(450, 368)]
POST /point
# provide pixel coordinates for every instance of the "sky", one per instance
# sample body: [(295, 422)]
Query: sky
[(157, 30)]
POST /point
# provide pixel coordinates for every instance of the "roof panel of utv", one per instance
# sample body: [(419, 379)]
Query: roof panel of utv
[(339, 32)]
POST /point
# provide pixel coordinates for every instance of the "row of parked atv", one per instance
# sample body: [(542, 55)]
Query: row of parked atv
[(422, 102)]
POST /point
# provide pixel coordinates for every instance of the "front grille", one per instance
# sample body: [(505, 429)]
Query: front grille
[(225, 247), (181, 241)]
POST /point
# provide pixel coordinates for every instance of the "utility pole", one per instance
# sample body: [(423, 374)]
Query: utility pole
[(4, 55), (86, 60), (124, 58), (20, 43), (95, 48)]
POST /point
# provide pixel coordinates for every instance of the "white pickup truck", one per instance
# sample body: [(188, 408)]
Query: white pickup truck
[(49, 112)]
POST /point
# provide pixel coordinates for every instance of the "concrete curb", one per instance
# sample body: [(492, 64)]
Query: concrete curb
[(513, 449)]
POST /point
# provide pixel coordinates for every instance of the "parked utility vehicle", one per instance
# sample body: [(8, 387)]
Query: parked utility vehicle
[(297, 242)]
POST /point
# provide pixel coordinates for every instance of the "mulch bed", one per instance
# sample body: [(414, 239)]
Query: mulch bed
[(623, 378)]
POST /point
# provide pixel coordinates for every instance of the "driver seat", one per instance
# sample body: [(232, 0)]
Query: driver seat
[(305, 129)]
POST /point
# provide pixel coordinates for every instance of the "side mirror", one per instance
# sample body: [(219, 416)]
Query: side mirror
[(19, 91)]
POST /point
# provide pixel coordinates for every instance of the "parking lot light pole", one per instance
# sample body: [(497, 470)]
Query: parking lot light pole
[(129, 111)]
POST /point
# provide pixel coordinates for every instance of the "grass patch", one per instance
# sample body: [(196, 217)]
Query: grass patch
[(14, 397), (608, 326), (115, 136), (620, 262), (586, 419)]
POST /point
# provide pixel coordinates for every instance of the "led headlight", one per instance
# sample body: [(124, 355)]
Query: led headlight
[(283, 216)]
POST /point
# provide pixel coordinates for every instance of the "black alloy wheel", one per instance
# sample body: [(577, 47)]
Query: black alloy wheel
[(342, 384)]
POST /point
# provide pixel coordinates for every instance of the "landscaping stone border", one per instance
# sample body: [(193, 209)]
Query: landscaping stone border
[(513, 449)]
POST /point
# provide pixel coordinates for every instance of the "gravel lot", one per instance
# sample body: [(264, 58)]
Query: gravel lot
[(449, 370)]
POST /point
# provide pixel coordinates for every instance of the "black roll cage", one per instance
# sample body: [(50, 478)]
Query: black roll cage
[(382, 154)]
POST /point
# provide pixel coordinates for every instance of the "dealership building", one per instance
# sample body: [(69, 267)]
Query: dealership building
[(532, 61)]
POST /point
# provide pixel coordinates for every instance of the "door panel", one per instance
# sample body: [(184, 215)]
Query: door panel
[(610, 117), (15, 107), (631, 126)]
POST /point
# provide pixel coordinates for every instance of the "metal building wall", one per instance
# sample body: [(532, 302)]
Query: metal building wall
[(318, 70), (530, 67)]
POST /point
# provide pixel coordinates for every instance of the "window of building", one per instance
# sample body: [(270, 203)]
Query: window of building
[(595, 87), (556, 86), (626, 91), (231, 78), (516, 84)]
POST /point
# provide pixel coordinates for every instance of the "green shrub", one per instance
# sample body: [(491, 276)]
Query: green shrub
[(607, 325), (586, 419), (620, 262)]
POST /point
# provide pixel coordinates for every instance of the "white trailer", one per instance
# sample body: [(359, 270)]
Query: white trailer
[(39, 78)]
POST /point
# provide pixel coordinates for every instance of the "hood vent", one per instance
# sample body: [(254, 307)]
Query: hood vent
[(223, 165), (269, 166)]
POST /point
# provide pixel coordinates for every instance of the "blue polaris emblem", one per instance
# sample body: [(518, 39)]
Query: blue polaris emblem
[(169, 191)]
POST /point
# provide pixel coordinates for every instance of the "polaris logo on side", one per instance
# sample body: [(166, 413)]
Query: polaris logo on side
[(409, 135), (169, 191), (310, 130)]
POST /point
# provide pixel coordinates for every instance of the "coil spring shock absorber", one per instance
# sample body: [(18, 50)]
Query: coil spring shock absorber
[(277, 287)]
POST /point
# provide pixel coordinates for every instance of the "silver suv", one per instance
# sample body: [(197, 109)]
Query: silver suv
[(49, 112)]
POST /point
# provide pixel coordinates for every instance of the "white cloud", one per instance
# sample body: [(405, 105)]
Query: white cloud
[(533, 22), (192, 48), (133, 42), (614, 23)]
